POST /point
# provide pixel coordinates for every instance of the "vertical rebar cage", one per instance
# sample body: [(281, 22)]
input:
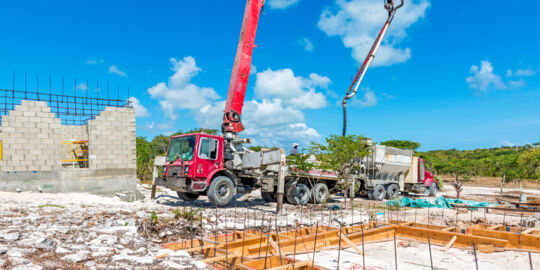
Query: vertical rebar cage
[(75, 109)]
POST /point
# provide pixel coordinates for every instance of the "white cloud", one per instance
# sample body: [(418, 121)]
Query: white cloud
[(507, 143), (94, 61), (295, 91), (179, 93), (358, 23), (306, 44), (140, 110), (268, 122), (252, 70), (82, 86), (520, 72), (368, 100), (483, 78), (282, 4), (114, 70), (274, 118)]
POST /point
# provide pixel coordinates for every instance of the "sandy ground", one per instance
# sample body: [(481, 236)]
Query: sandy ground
[(76, 231), (416, 256)]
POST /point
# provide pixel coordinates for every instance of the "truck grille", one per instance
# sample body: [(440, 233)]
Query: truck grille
[(174, 171)]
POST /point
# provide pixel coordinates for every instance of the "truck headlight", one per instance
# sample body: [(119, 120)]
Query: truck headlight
[(186, 170)]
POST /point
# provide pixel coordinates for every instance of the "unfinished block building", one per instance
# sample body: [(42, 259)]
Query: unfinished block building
[(43, 150)]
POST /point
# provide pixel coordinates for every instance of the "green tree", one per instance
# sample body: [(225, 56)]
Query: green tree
[(529, 163), (144, 153), (402, 144), (341, 154)]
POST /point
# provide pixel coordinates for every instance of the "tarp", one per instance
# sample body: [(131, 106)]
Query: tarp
[(439, 202)]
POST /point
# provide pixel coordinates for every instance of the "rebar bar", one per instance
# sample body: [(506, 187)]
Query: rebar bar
[(339, 245), (475, 257), (315, 245), (363, 251), (395, 250), (430, 256)]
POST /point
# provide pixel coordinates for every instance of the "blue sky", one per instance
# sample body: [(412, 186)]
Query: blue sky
[(451, 74)]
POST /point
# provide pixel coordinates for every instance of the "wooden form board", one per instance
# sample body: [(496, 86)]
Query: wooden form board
[(515, 240), (243, 253)]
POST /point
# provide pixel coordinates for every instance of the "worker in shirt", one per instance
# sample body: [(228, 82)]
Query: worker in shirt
[(294, 149)]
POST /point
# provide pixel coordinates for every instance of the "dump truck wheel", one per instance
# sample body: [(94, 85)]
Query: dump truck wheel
[(297, 193), (432, 190), (268, 196), (379, 193), (320, 193), (188, 197), (221, 191), (392, 191)]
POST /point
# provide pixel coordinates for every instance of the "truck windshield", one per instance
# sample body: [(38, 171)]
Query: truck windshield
[(181, 147)]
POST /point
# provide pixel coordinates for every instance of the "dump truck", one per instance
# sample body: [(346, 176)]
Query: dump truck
[(387, 172)]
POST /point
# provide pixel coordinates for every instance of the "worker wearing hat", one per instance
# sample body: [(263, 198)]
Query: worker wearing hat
[(294, 149)]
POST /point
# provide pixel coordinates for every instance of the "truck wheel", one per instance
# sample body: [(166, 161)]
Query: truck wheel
[(187, 197), (320, 193), (297, 193), (392, 191), (370, 194), (432, 190), (268, 196), (379, 192), (221, 191)]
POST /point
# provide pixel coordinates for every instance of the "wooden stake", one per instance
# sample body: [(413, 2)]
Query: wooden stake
[(449, 245), (351, 244)]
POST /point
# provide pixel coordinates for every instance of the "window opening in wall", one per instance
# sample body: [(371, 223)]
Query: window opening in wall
[(77, 155)]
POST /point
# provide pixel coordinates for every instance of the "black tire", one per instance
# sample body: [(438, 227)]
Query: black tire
[(432, 190), (221, 191), (379, 193), (320, 193), (268, 196), (392, 191), (187, 197), (297, 193)]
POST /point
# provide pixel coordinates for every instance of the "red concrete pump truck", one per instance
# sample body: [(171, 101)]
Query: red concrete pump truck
[(219, 166)]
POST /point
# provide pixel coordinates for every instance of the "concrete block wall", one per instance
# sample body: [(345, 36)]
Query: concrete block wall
[(111, 141), (32, 138), (30, 135)]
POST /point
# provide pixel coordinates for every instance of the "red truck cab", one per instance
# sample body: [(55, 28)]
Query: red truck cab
[(191, 162)]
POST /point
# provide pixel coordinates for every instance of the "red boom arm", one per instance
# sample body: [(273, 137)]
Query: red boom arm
[(232, 117)]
